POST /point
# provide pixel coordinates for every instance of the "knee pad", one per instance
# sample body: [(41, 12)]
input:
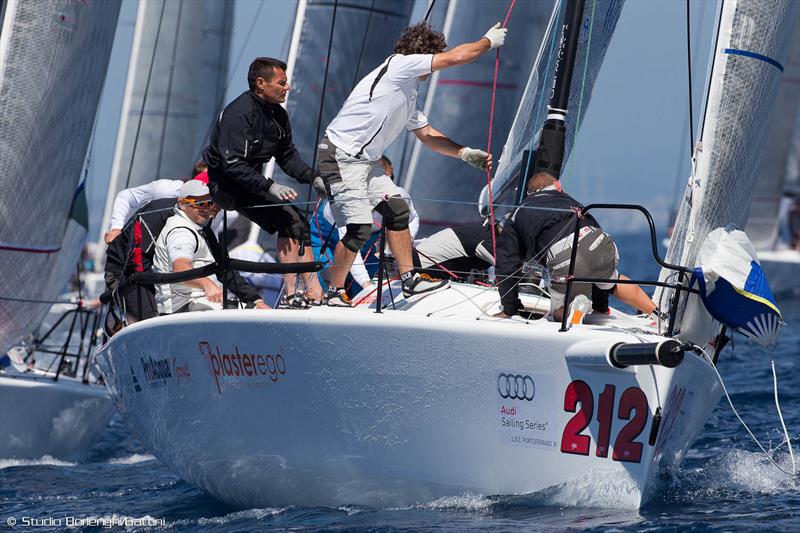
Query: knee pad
[(356, 236), (395, 213)]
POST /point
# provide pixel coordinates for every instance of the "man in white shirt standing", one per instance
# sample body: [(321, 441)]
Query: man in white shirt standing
[(376, 112)]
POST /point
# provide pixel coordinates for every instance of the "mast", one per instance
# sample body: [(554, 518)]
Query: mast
[(550, 153)]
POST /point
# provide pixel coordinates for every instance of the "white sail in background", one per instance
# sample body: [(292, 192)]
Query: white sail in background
[(53, 60), (364, 32), (762, 226), (174, 91), (599, 22), (459, 104), (749, 54)]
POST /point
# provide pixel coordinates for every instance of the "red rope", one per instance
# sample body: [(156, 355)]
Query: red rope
[(489, 141)]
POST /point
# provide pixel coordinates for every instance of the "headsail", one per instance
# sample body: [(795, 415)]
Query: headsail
[(600, 20), (53, 60), (458, 104), (751, 47), (174, 91), (762, 226)]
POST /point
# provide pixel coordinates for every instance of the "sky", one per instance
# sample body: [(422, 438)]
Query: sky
[(633, 145)]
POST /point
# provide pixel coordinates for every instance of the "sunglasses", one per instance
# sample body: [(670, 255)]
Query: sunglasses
[(194, 202)]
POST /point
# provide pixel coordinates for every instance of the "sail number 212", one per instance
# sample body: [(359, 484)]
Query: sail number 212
[(632, 402)]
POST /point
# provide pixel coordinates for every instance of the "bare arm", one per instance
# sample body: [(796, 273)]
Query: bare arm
[(212, 290), (438, 141), (460, 55)]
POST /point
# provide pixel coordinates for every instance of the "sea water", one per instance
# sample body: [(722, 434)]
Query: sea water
[(724, 484)]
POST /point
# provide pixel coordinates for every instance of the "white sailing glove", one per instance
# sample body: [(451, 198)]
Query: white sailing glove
[(319, 186), (496, 36), (474, 157), (281, 193)]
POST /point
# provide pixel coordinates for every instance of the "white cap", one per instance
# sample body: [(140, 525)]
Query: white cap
[(193, 188)]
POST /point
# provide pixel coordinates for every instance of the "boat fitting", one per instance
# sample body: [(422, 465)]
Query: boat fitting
[(667, 353)]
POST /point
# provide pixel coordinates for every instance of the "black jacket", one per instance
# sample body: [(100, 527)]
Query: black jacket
[(529, 233), (119, 255), (248, 133)]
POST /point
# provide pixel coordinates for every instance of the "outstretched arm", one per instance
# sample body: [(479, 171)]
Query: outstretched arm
[(469, 52)]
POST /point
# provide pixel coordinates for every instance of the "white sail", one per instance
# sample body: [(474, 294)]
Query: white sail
[(599, 22), (53, 59), (174, 91), (751, 47), (459, 104), (762, 226)]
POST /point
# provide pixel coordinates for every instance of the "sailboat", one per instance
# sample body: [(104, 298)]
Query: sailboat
[(770, 201), (399, 401), (53, 59)]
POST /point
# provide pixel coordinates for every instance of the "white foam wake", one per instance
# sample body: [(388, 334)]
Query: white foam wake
[(132, 459), (45, 460)]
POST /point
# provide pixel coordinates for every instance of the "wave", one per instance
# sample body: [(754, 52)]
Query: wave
[(45, 460), (136, 458)]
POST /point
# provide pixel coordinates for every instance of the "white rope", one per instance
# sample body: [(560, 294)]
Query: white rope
[(780, 415), (735, 412)]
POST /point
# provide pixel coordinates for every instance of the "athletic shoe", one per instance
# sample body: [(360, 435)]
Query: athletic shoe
[(423, 284), (339, 298), (297, 300)]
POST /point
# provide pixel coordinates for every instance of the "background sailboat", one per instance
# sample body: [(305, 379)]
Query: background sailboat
[(53, 58)]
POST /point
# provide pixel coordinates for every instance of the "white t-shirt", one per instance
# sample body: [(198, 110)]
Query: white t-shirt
[(366, 126), (179, 239)]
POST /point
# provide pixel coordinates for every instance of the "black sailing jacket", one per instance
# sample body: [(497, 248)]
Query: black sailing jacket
[(529, 233), (248, 133)]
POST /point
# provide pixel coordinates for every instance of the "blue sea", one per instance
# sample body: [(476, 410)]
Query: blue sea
[(725, 484)]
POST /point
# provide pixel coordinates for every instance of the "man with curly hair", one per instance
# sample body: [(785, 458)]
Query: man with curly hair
[(375, 113)]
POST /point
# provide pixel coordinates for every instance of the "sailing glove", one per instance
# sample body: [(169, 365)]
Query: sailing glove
[(496, 36), (281, 193), (474, 157), (319, 186)]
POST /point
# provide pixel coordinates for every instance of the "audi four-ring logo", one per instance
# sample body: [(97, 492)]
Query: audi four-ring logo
[(516, 387)]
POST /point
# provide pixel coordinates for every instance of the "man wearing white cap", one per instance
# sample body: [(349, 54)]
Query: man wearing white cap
[(186, 242)]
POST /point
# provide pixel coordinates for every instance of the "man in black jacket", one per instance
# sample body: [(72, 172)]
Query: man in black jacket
[(250, 131), (542, 229)]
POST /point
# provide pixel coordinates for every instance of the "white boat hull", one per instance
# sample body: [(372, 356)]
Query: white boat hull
[(331, 407), (39, 416)]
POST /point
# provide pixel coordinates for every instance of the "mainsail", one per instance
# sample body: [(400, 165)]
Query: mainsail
[(749, 54), (53, 60), (363, 34), (600, 19), (459, 101), (174, 91), (762, 226)]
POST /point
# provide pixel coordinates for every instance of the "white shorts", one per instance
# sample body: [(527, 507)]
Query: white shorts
[(355, 185)]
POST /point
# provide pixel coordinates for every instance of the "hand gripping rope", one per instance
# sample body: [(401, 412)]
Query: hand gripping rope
[(489, 141)]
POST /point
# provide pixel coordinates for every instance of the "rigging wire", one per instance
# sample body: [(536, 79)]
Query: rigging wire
[(430, 8), (689, 73), (489, 141), (144, 97)]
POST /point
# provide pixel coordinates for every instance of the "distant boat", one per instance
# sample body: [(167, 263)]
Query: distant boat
[(53, 59), (434, 397)]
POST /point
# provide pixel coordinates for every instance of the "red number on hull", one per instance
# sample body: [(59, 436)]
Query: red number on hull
[(572, 441), (605, 409), (625, 449)]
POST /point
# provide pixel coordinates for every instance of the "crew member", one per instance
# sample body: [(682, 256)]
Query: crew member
[(186, 242), (455, 252), (543, 228), (375, 113), (250, 131)]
